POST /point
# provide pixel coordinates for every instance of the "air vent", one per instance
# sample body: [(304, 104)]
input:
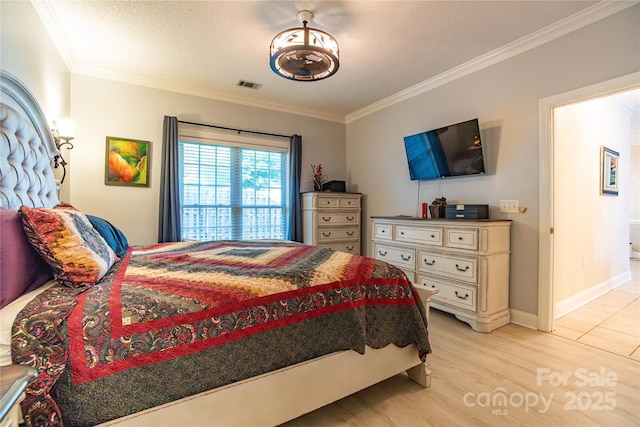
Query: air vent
[(250, 85)]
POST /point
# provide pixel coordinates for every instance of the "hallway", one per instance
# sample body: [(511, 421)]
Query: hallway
[(610, 322)]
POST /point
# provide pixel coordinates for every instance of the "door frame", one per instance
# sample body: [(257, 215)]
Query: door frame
[(546, 109)]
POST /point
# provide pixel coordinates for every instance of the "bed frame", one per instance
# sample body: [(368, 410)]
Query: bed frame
[(269, 399)]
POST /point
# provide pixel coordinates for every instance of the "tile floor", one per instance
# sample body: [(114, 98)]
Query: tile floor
[(610, 322)]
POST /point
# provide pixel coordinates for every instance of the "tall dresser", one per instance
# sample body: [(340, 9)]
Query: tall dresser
[(332, 220), (467, 261)]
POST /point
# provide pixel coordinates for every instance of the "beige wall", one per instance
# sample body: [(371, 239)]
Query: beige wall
[(505, 98), (102, 108), (591, 243), (27, 52)]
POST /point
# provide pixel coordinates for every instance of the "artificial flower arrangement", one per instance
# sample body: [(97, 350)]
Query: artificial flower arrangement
[(318, 178)]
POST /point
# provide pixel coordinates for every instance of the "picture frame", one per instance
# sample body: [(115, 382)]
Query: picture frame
[(609, 171), (127, 162)]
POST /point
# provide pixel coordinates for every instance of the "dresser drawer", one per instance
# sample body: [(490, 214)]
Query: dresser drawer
[(458, 295), (349, 247), (400, 257), (425, 236), (344, 233), (349, 202), (327, 202), (382, 231), (462, 238), (338, 218), (449, 266)]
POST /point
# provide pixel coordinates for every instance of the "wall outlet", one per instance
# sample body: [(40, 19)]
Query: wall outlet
[(509, 206)]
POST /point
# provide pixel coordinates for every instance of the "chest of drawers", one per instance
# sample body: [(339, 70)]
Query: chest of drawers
[(332, 220), (466, 260)]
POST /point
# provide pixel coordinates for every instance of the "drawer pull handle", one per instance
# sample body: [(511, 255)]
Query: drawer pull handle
[(462, 269), (382, 254), (460, 238), (464, 297), (350, 248), (383, 231), (429, 263), (326, 219), (433, 236), (326, 234), (405, 259), (351, 218), (433, 286), (350, 233)]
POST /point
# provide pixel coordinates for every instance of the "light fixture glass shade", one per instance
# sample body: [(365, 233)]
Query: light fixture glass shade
[(304, 54), (65, 128)]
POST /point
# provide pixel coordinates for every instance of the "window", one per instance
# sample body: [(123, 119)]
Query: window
[(233, 188)]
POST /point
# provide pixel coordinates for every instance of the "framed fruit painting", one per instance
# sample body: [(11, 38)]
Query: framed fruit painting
[(127, 162)]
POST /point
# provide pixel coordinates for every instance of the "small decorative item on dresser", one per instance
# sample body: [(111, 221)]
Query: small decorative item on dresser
[(318, 177), (437, 208)]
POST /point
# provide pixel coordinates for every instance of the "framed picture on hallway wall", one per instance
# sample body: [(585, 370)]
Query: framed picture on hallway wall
[(609, 174), (127, 162)]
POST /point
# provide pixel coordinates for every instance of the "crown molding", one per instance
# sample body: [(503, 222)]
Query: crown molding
[(202, 92), (53, 26), (572, 23)]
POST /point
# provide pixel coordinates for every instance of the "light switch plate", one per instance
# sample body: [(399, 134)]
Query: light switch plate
[(509, 206)]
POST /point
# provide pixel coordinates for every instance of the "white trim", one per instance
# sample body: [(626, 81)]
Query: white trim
[(572, 23), (523, 318), (202, 92), (54, 28), (545, 241), (568, 305)]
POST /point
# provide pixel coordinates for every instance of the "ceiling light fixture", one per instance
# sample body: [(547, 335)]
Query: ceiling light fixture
[(304, 54)]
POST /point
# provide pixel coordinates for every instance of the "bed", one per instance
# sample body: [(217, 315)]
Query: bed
[(187, 333)]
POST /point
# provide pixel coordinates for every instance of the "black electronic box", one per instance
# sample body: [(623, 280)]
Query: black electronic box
[(337, 186), (467, 211)]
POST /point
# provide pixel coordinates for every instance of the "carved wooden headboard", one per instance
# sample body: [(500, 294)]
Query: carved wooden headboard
[(27, 149)]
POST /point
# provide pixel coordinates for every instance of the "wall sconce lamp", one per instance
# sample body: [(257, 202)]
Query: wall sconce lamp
[(62, 133)]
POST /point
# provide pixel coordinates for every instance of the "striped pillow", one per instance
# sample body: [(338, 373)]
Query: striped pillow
[(67, 241)]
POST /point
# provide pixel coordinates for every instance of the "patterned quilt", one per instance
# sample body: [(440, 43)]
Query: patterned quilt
[(175, 319)]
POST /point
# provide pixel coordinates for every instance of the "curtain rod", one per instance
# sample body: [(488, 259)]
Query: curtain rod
[(236, 130)]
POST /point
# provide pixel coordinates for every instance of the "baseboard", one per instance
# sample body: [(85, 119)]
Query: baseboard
[(576, 301), (525, 319)]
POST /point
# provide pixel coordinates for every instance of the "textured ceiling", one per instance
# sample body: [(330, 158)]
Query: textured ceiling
[(386, 47)]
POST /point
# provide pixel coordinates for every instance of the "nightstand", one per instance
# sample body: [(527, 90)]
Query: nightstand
[(13, 380)]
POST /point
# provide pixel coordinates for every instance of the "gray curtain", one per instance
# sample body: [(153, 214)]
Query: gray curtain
[(295, 216), (169, 223)]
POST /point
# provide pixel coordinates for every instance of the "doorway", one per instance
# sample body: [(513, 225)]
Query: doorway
[(547, 251)]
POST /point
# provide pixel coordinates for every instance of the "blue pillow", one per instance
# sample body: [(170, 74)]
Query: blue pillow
[(111, 234)]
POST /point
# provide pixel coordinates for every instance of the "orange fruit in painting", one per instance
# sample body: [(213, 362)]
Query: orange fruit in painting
[(119, 169)]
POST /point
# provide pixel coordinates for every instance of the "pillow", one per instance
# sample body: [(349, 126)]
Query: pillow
[(21, 268), (67, 241), (111, 234)]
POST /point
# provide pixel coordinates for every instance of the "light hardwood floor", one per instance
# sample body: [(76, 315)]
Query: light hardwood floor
[(566, 382)]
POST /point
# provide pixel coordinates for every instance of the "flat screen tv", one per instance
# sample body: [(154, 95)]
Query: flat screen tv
[(449, 151)]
